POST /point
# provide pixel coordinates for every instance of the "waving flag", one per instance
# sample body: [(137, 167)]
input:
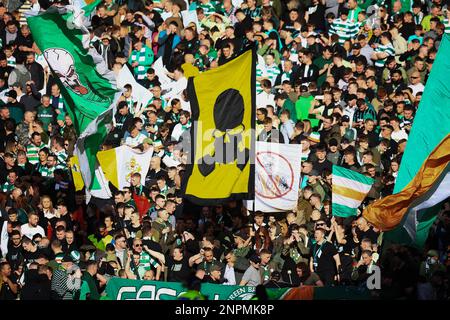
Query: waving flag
[(431, 126), (350, 188), (87, 86), (223, 111)]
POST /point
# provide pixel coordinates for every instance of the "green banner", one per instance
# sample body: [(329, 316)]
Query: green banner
[(125, 289)]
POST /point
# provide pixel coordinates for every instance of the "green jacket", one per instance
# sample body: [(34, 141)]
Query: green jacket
[(289, 105), (94, 295)]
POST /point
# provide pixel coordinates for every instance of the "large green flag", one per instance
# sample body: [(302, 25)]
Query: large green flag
[(88, 87), (431, 125)]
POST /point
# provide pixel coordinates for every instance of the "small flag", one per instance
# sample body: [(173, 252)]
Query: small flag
[(119, 164), (76, 173), (350, 188)]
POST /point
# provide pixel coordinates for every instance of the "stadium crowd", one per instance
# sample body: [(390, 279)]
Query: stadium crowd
[(341, 78)]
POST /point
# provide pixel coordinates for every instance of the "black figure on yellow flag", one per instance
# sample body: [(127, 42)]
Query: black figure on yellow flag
[(222, 136), (229, 144)]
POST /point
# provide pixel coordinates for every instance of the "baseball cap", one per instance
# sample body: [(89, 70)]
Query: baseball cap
[(433, 253), (356, 46), (67, 258), (11, 94), (345, 118)]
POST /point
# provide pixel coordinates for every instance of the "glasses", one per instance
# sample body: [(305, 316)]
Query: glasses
[(138, 245), (320, 224)]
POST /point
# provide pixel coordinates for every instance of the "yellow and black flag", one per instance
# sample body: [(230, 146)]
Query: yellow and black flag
[(221, 165)]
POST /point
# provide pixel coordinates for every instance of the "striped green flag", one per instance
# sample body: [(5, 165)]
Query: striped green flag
[(87, 86), (350, 188)]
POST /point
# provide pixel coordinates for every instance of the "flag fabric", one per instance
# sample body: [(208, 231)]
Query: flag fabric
[(86, 84), (140, 94), (120, 163), (222, 100), (76, 173), (431, 125), (277, 176), (416, 205), (350, 188)]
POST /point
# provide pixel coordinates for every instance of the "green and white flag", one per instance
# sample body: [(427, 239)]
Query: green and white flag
[(350, 188), (88, 87)]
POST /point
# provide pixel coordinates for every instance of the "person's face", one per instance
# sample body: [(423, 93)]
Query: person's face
[(415, 78), (394, 166), (321, 155), (160, 202), (60, 235), (269, 60), (318, 235), (305, 145), (6, 270), (137, 246), (183, 119), (366, 259), (267, 127), (216, 274), (177, 254), (69, 237), (148, 275), (46, 203), (265, 258), (127, 194), (134, 133), (10, 161), (37, 140), (118, 198), (361, 224), (259, 220), (226, 52), (51, 162), (21, 158), (208, 256), (16, 238), (33, 220), (42, 156), (127, 93)]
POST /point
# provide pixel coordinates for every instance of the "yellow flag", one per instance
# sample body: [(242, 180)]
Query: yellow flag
[(222, 140), (76, 173)]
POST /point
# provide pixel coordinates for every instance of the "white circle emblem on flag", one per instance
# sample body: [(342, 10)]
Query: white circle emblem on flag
[(274, 175)]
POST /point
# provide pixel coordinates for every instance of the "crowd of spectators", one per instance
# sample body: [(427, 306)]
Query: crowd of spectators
[(342, 78)]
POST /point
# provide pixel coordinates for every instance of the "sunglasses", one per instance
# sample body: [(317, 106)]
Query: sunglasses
[(137, 245)]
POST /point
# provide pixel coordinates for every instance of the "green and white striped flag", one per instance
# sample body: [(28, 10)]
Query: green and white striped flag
[(88, 87), (350, 188)]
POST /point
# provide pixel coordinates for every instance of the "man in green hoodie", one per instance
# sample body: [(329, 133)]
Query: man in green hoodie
[(284, 103)]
